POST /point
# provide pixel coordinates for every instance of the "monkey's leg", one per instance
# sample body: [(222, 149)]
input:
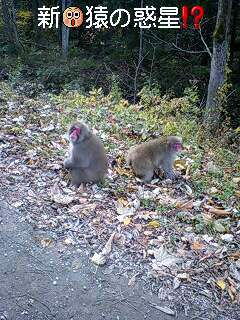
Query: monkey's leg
[(148, 175), (168, 170), (145, 172), (80, 175)]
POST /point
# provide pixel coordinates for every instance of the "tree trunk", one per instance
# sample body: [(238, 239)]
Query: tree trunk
[(234, 29), (65, 30), (140, 59), (37, 31), (10, 26), (218, 74)]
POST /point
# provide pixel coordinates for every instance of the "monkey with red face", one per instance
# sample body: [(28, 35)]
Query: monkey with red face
[(87, 160), (154, 154)]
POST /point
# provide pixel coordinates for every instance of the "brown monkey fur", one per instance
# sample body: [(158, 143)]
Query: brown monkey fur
[(154, 154), (87, 160)]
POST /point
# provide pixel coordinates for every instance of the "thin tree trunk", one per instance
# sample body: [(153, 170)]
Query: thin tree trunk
[(216, 95), (140, 59), (65, 31), (236, 8), (38, 31), (10, 26)]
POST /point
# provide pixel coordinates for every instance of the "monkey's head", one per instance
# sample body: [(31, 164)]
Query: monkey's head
[(174, 143), (78, 132)]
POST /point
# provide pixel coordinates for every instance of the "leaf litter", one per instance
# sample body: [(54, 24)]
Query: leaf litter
[(160, 230)]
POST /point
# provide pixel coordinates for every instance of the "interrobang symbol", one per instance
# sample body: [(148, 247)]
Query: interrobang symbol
[(198, 16), (196, 11)]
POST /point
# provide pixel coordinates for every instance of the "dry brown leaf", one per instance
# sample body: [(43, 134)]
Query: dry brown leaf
[(185, 205), (123, 202), (188, 170), (197, 246), (180, 164), (124, 172), (46, 242), (237, 193), (220, 212), (232, 292)]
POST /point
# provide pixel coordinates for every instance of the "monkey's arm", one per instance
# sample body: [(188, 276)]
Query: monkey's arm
[(167, 167), (68, 163)]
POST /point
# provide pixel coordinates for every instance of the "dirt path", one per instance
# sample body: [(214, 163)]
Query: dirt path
[(45, 283)]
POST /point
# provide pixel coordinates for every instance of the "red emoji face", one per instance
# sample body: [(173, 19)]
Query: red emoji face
[(72, 17)]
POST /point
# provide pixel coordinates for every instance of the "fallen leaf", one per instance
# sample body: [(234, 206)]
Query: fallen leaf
[(132, 281), (154, 224), (58, 197), (124, 212), (46, 242), (185, 205), (213, 190), (197, 246), (124, 172), (227, 237), (183, 276), (68, 241), (221, 284), (180, 164), (237, 193), (164, 259), (164, 309), (127, 221), (219, 227), (17, 204), (108, 246), (236, 179), (123, 202), (176, 283), (99, 259), (219, 212)]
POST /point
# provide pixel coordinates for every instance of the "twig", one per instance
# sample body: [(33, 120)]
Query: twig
[(153, 58), (188, 51), (205, 44)]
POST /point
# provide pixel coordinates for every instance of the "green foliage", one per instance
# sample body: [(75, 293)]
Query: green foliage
[(203, 224)]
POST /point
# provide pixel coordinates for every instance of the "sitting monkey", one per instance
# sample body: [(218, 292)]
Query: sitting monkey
[(87, 160), (157, 153)]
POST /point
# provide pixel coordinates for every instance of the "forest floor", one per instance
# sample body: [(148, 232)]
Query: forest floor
[(57, 283), (182, 244)]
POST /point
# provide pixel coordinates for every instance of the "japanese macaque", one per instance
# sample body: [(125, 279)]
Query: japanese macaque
[(87, 160), (158, 153)]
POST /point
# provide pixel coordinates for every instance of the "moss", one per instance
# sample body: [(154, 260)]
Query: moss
[(219, 32)]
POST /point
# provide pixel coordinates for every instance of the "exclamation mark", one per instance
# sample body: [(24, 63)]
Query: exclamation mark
[(184, 17)]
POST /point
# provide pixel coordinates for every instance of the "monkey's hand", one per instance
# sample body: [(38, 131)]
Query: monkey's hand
[(68, 163), (170, 175)]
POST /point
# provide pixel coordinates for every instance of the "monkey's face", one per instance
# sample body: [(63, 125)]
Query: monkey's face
[(75, 134), (177, 147), (78, 132), (175, 144)]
